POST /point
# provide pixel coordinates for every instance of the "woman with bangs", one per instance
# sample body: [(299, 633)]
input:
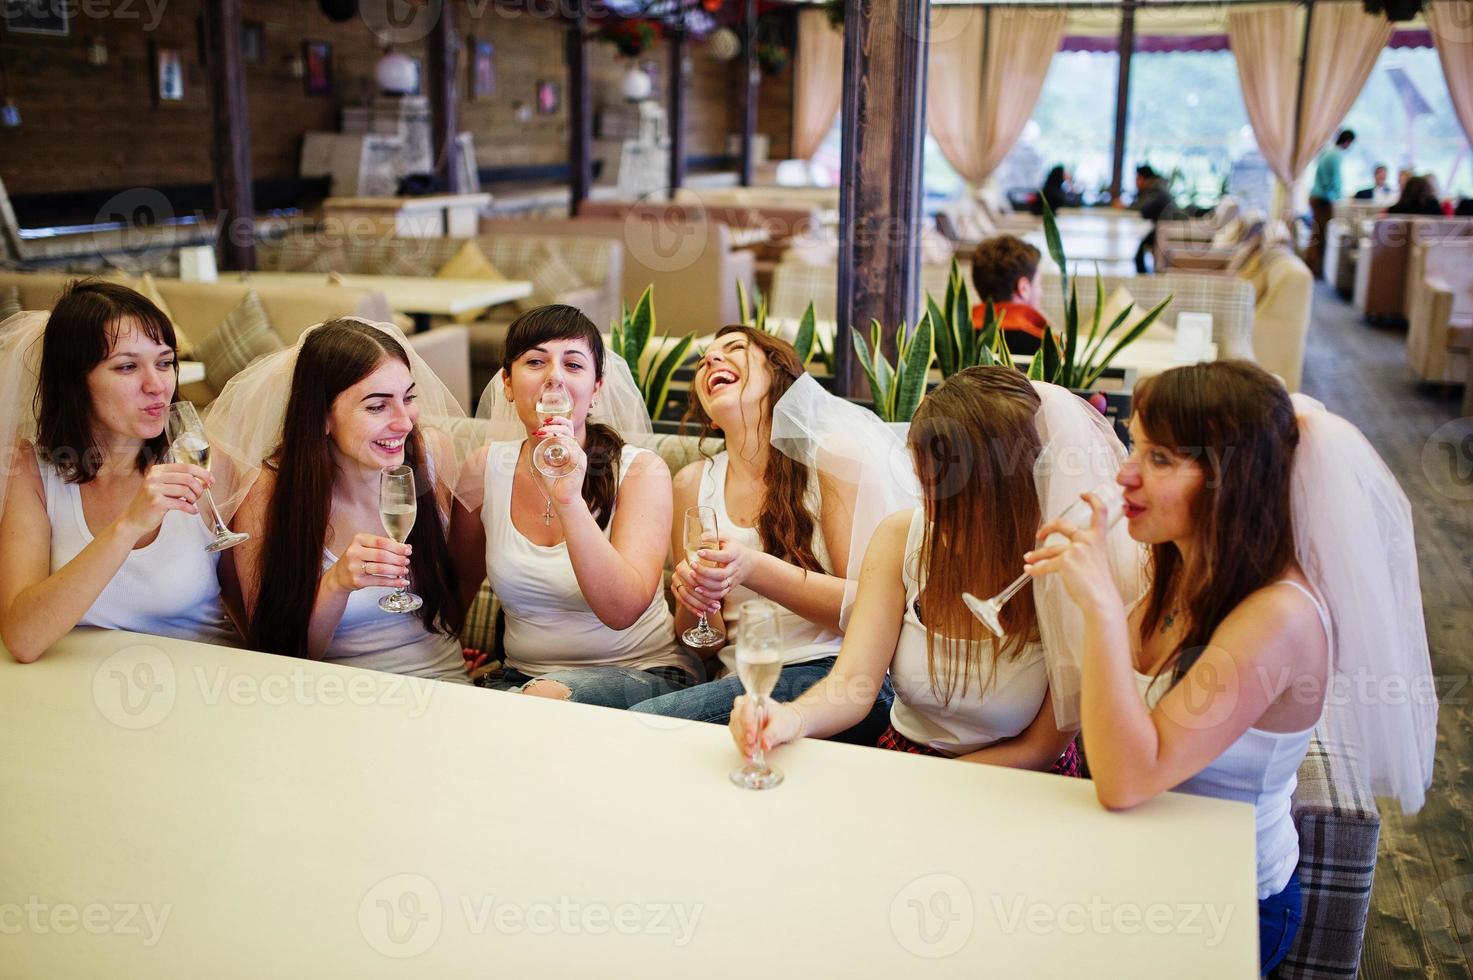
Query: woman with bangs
[(794, 490), (324, 420), (1281, 550), (577, 560), (989, 448), (97, 529)]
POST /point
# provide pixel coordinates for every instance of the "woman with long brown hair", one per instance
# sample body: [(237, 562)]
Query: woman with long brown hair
[(794, 490), (575, 559), (1281, 556), (991, 450), (326, 419)]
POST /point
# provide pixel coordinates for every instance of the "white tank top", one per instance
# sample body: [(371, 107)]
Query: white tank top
[(802, 640), (1007, 701), (169, 588), (1260, 768), (396, 643), (549, 625)]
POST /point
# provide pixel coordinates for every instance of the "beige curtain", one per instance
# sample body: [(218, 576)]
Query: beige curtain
[(976, 103), (819, 77), (1344, 43), (1265, 43), (1452, 33)]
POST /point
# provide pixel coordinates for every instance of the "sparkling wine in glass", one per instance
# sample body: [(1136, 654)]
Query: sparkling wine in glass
[(189, 444), (555, 456), (700, 532), (759, 662), (989, 611), (397, 508)]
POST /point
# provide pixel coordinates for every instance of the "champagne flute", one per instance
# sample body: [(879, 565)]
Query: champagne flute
[(189, 444), (397, 507), (989, 611), (700, 532), (555, 456), (759, 664)]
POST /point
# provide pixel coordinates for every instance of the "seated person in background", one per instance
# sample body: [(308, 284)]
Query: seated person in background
[(1057, 192), (97, 529), (1465, 208), (1005, 271), (1153, 200), (1381, 192), (1417, 197)]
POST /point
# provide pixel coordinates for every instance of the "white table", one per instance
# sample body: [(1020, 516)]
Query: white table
[(285, 818), (420, 296)]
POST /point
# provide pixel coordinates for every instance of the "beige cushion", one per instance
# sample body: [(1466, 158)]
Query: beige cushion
[(245, 335), (552, 280), (470, 263), (1227, 236), (1116, 302), (182, 342)]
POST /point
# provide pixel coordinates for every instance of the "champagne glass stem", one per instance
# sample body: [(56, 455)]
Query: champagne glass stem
[(1012, 590), (759, 757), (212, 515), (703, 625)]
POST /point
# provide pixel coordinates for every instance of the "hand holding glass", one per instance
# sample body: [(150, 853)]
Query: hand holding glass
[(759, 664), (700, 532), (397, 507), (189, 444), (1079, 514), (555, 456)]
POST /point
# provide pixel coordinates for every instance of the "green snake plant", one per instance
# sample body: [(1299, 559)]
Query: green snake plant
[(631, 334)]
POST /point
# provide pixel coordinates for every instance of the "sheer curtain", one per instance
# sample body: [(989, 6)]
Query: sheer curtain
[(1265, 43), (985, 70), (1452, 33), (1344, 43), (819, 81)]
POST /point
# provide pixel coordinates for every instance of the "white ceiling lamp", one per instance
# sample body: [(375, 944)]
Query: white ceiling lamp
[(636, 85), (396, 74)]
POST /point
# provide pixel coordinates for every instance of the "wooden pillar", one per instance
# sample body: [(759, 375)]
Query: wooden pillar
[(1122, 98), (1299, 88), (676, 111), (444, 55), (580, 111), (880, 174), (749, 91), (231, 137)]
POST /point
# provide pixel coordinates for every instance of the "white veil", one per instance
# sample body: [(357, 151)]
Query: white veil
[(1353, 540), (247, 419), (21, 338), (618, 405), (1079, 451), (834, 436)]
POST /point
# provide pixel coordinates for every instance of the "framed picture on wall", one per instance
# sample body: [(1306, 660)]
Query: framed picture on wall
[(252, 42), (317, 63), (549, 97), (29, 17), (483, 68), (168, 74)]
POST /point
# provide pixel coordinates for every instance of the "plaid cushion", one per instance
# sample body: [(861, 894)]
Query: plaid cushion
[(480, 622), (551, 280), (245, 335), (1339, 828)]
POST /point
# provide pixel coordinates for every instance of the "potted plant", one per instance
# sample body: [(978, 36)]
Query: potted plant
[(897, 388), (631, 37), (772, 58), (630, 335)]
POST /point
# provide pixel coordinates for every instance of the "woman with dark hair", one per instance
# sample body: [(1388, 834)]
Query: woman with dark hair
[(326, 419), (788, 513), (85, 430), (1056, 192), (576, 560), (993, 452), (1281, 555), (1418, 197)]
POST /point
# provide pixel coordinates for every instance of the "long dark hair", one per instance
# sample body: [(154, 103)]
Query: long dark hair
[(785, 525), (974, 441), (1237, 420), (602, 443), (82, 329), (333, 358)]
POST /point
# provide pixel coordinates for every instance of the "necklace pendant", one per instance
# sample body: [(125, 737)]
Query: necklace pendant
[(547, 515)]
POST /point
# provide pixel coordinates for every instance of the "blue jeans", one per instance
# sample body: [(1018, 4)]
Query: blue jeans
[(607, 687), (712, 701), (1279, 917)]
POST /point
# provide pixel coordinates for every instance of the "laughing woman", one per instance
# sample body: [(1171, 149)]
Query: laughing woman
[(325, 419), (1281, 555), (575, 560), (96, 531)]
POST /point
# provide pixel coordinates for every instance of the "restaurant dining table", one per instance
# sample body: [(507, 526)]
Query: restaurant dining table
[(173, 809), (422, 297)]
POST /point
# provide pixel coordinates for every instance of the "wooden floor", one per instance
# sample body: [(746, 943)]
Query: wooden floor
[(1421, 921)]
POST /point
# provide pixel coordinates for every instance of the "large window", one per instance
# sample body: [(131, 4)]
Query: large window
[(1404, 118), (1073, 125)]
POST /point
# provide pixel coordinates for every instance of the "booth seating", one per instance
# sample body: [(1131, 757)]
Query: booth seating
[(1385, 264), (1440, 311)]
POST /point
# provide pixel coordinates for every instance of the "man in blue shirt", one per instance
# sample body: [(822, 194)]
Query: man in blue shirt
[(1322, 197)]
